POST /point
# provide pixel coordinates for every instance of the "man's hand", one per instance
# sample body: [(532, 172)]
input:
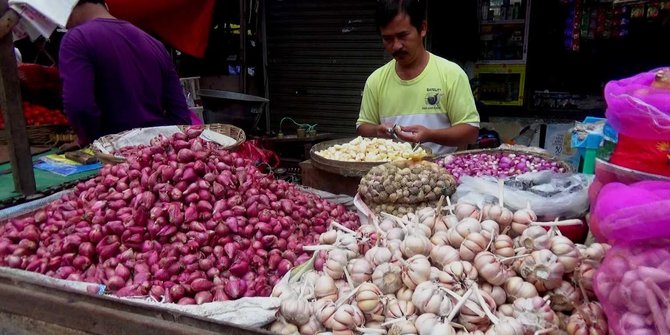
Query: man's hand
[(374, 130), (415, 134)]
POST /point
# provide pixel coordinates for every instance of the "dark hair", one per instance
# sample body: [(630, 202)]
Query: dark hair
[(387, 10), (95, 2)]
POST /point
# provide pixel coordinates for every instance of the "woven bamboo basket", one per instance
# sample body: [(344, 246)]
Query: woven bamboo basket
[(47, 135), (231, 131)]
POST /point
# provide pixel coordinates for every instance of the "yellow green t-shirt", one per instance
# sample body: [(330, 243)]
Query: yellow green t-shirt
[(440, 97)]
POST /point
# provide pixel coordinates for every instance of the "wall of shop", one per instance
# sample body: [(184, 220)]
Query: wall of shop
[(319, 55)]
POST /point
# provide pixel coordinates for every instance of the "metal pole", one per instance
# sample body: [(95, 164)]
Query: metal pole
[(266, 77), (15, 123), (243, 45)]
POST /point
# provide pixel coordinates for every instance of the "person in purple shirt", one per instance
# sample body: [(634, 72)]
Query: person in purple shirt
[(115, 76)]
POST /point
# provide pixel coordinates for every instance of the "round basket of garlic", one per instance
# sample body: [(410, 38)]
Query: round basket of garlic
[(355, 157)]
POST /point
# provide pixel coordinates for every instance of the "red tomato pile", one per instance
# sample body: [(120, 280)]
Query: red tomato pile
[(37, 115)]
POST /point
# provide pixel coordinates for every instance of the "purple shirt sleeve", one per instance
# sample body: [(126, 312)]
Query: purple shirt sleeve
[(78, 77), (174, 101)]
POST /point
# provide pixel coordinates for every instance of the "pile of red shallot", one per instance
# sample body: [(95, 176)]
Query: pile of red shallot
[(180, 221), (476, 271), (496, 164)]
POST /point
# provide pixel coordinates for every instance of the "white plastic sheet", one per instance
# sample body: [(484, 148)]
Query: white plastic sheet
[(40, 17)]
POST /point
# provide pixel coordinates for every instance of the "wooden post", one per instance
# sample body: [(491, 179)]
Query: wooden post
[(243, 45), (12, 110)]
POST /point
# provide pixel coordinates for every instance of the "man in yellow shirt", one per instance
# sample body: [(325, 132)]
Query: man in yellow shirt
[(428, 96)]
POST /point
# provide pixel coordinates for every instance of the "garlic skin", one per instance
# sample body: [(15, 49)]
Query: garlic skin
[(296, 310), (517, 288), (345, 319), (429, 298), (313, 326), (444, 254), (503, 246), (565, 297), (462, 272), (589, 319), (284, 328), (490, 229), (416, 271), (387, 277), (535, 238), (440, 238), (496, 292), (368, 298), (404, 294), (403, 328), (378, 255), (490, 268), (536, 310), (416, 244), (472, 316), (522, 219), (457, 235), (473, 245), (360, 270), (507, 326), (325, 288), (463, 210), (334, 267), (431, 324), (566, 251), (543, 270), (396, 309)]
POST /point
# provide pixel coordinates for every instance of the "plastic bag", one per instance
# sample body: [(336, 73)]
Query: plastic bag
[(638, 110), (550, 195), (252, 150), (632, 285), (629, 213)]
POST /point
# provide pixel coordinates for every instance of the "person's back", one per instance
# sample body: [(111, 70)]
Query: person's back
[(116, 77)]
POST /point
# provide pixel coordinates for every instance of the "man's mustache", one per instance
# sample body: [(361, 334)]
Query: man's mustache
[(399, 53)]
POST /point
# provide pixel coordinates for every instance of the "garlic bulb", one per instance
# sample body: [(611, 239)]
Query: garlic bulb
[(462, 230), (395, 234), (522, 219), (472, 245), (325, 288), (378, 255), (313, 326), (535, 238), (505, 310), (416, 244), (543, 270), (296, 310), (403, 328), (284, 328), (431, 298), (431, 324), (283, 290), (464, 210), (404, 294), (440, 238), (450, 221), (323, 310), (387, 277), (566, 251), (367, 237), (565, 297), (444, 254), (346, 318), (496, 292), (584, 274), (387, 224), (337, 260), (368, 297), (360, 270), (416, 271), (517, 288), (535, 314), (507, 326), (472, 316), (490, 268), (503, 246), (329, 237), (422, 229), (462, 272), (490, 229), (596, 251), (396, 309)]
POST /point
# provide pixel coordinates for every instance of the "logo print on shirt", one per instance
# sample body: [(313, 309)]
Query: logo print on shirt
[(433, 97)]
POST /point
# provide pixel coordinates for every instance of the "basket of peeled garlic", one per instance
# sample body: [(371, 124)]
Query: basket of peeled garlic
[(355, 157), (445, 271)]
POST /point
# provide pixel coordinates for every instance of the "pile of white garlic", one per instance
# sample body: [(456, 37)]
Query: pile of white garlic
[(443, 272)]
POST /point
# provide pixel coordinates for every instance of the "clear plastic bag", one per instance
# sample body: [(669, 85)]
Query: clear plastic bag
[(632, 285), (550, 195), (637, 109)]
